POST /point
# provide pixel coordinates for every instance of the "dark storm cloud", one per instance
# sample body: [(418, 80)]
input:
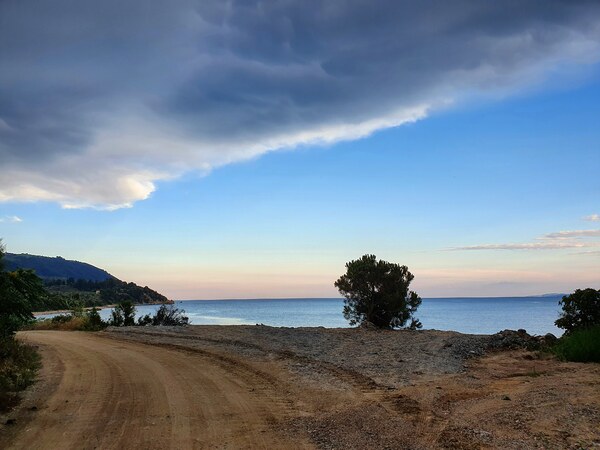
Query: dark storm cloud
[(134, 92)]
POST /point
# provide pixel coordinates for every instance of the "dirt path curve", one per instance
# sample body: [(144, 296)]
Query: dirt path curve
[(112, 394)]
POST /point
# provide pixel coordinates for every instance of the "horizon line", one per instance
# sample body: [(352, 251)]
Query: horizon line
[(549, 295)]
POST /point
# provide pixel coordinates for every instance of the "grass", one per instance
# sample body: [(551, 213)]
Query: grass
[(19, 364), (580, 346), (72, 324)]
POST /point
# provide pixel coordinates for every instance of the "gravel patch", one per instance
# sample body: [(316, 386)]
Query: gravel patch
[(385, 357)]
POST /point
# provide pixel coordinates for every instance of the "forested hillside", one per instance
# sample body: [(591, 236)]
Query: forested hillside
[(47, 267), (70, 284)]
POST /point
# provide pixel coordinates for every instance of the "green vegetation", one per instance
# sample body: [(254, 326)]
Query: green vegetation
[(580, 346), (123, 315), (100, 293), (18, 362), (49, 268), (168, 315), (94, 321), (76, 320), (581, 320), (581, 310), (67, 293), (18, 290), (377, 292)]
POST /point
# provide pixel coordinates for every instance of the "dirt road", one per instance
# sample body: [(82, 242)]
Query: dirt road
[(103, 393)]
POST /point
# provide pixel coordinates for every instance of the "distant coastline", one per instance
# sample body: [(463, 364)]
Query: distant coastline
[(65, 311), (551, 295), (475, 315)]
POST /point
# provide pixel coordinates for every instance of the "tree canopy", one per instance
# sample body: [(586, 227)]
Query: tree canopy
[(123, 315), (19, 290), (580, 310), (377, 292)]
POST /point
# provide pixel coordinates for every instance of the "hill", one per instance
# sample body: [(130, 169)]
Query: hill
[(47, 267), (69, 284)]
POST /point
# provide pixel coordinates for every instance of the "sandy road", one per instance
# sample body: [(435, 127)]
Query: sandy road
[(111, 394)]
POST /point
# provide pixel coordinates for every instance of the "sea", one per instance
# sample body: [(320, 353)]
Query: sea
[(475, 315)]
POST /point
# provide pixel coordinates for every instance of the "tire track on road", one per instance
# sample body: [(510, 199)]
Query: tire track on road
[(123, 394)]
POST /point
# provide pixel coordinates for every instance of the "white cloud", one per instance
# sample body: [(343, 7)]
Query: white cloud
[(150, 92), (11, 219), (592, 218), (527, 246), (552, 241), (589, 252), (572, 234)]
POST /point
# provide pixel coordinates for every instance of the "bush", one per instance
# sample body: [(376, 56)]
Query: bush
[(580, 346), (581, 310), (19, 364), (62, 318), (75, 321), (145, 320), (377, 292), (93, 321), (64, 322), (168, 315), (123, 315)]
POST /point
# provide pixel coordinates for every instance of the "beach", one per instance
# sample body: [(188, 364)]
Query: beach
[(267, 387)]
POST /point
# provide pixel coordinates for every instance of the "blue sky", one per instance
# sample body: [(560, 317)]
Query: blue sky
[(469, 190)]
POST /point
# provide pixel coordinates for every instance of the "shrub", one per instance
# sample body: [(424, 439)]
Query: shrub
[(64, 322), (84, 321), (580, 346), (168, 315), (19, 364), (144, 320), (123, 315), (93, 321), (62, 318)]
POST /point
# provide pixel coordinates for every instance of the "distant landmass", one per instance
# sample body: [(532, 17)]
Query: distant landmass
[(55, 268), (73, 283)]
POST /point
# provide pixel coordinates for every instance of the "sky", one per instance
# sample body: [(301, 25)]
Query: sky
[(250, 149)]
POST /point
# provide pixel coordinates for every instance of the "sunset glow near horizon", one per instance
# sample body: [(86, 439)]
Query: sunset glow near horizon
[(222, 150)]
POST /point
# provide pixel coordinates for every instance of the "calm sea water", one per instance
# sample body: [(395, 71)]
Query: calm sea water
[(466, 315)]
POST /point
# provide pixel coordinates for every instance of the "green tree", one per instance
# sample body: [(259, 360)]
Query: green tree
[(19, 290), (94, 321), (580, 310), (123, 315), (377, 292)]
